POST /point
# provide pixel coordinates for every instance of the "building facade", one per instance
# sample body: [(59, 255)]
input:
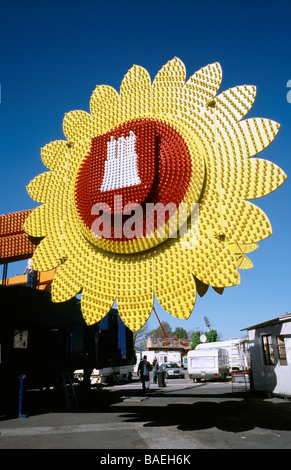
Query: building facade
[(270, 350)]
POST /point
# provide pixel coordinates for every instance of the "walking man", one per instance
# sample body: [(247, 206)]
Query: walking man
[(143, 371)]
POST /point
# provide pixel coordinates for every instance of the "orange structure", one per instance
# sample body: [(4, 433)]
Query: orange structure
[(44, 280), (16, 245)]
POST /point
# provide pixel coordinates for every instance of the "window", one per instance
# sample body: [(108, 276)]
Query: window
[(281, 350), (268, 350)]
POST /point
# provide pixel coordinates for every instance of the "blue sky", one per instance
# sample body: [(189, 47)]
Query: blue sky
[(54, 53)]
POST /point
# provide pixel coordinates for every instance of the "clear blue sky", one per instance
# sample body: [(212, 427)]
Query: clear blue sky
[(54, 53)]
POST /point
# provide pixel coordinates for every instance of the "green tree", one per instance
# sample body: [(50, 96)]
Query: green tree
[(158, 332), (195, 339), (180, 332), (211, 336)]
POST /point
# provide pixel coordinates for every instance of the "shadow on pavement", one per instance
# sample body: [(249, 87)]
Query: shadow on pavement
[(237, 412), (232, 416)]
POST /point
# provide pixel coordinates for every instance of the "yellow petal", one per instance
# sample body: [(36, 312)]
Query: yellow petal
[(48, 254), (74, 158), (244, 222), (210, 214), (67, 281), (226, 164), (214, 263), (234, 103), (36, 223), (244, 262), (178, 295), (98, 273), (135, 93), (132, 281), (229, 168), (104, 107), (202, 86), (95, 304), (40, 187), (174, 283), (242, 248), (135, 310), (53, 154), (263, 177), (79, 126), (256, 134), (167, 88)]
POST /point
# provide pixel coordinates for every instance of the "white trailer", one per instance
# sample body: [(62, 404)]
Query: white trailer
[(208, 364), (238, 352)]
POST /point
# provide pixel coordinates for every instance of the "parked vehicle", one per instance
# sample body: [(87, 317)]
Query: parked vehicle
[(172, 370), (238, 352), (208, 364)]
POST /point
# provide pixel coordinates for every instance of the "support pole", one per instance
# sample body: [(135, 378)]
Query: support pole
[(20, 415), (160, 323), (4, 276)]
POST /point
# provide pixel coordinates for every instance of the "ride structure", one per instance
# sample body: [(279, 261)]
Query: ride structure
[(148, 196)]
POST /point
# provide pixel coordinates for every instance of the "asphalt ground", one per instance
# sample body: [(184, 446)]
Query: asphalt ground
[(171, 421)]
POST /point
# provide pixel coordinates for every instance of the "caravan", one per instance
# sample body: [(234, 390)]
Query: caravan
[(208, 364), (238, 352)]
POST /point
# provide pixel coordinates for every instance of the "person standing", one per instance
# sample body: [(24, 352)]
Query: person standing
[(143, 371), (31, 274), (155, 369)]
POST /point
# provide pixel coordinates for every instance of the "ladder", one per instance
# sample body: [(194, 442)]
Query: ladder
[(69, 389), (240, 379)]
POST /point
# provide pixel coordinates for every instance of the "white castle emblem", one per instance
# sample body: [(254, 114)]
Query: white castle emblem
[(121, 164)]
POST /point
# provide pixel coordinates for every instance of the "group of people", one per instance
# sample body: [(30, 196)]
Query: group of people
[(143, 371)]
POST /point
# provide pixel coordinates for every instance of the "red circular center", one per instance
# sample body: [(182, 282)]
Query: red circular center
[(127, 172)]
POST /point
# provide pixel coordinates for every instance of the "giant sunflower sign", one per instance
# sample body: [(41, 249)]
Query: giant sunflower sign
[(118, 202)]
